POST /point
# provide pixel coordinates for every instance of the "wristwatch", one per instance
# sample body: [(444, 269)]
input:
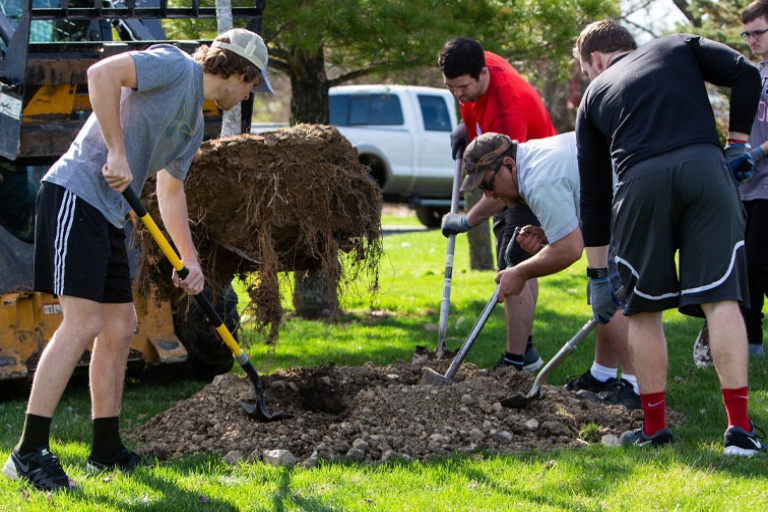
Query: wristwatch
[(596, 273)]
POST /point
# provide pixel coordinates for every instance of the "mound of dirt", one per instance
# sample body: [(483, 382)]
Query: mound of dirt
[(374, 413), (290, 199)]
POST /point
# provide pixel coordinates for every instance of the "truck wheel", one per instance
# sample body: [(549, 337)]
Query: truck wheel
[(431, 217), (208, 356)]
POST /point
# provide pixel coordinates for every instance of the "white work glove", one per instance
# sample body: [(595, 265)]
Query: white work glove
[(453, 224)]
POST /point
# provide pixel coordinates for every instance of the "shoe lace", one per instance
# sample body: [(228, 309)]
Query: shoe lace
[(759, 433), (51, 465)]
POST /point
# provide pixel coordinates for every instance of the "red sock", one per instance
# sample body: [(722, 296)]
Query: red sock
[(735, 401), (654, 412)]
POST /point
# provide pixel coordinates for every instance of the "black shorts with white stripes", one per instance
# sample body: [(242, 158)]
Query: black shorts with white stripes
[(77, 251)]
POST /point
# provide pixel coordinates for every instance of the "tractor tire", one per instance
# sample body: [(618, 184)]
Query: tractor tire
[(207, 354), (431, 216)]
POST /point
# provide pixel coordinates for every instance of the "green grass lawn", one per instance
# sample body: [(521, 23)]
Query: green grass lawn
[(692, 474)]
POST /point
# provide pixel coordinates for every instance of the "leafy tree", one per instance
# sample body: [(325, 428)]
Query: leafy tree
[(318, 44)]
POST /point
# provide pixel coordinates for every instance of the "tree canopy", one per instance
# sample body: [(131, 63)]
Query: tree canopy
[(321, 43)]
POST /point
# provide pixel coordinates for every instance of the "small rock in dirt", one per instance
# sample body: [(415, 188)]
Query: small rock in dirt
[(476, 435), (502, 437), (360, 444), (610, 440), (233, 457), (282, 458), (311, 461), (532, 424), (356, 454), (554, 428)]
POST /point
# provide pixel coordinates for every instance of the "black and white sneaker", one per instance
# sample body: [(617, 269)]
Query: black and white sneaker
[(588, 382), (738, 441), (640, 438), (124, 460), (531, 362), (41, 468), (622, 392)]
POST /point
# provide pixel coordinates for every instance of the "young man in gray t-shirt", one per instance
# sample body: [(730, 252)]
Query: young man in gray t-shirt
[(147, 118)]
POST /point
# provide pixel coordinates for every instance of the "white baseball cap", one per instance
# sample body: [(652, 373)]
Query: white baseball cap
[(251, 46)]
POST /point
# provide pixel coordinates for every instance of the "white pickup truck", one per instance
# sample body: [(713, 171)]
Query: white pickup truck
[(402, 133)]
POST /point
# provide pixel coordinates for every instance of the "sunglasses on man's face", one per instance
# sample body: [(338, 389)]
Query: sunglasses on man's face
[(488, 184)]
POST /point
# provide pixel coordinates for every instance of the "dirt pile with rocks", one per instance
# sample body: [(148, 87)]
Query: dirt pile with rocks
[(372, 413)]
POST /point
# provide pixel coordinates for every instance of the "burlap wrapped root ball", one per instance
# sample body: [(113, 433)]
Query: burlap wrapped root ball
[(290, 199)]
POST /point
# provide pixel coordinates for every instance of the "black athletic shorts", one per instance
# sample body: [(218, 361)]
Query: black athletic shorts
[(681, 205), (504, 224), (77, 251)]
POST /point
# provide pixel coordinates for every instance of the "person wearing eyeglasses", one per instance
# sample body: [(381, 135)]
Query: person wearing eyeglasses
[(754, 192), (494, 97), (675, 220), (543, 175), (754, 197)]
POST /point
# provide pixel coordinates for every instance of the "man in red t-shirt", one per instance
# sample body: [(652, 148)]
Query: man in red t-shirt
[(494, 97)]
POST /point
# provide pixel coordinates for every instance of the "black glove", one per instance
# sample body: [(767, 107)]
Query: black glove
[(453, 224), (757, 153), (740, 162), (603, 299), (459, 140)]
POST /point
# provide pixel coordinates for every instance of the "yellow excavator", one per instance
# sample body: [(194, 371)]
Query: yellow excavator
[(46, 46)]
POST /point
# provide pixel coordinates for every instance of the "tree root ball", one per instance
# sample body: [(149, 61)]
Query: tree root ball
[(293, 199)]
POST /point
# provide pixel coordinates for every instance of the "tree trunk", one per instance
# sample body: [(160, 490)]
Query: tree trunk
[(309, 102), (313, 295), (480, 247), (230, 122)]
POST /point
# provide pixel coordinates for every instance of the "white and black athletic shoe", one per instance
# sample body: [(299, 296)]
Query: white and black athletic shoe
[(640, 438), (738, 441), (40, 467), (531, 362)]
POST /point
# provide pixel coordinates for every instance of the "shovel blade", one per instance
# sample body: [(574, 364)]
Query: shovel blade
[(256, 409), (432, 378), (518, 401)]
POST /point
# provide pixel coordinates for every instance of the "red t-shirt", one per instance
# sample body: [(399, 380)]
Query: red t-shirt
[(510, 106)]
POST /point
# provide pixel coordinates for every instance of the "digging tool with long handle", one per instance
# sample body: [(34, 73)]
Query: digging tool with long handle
[(445, 303), (434, 378), (259, 410), (521, 400)]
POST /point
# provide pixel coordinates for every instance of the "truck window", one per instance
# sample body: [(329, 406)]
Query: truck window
[(370, 109), (338, 107), (434, 112)]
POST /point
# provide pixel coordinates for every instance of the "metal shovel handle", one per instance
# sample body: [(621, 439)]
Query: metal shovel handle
[(445, 303)]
